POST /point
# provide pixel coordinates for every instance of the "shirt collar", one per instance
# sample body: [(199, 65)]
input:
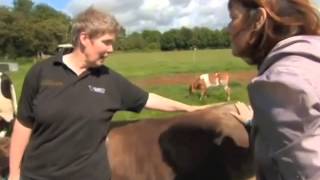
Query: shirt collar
[(58, 59), (94, 71)]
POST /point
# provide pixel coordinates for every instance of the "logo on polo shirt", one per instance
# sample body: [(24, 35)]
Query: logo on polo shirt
[(49, 82), (97, 89)]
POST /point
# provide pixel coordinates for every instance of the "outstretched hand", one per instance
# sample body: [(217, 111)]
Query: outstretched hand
[(244, 112), (196, 108)]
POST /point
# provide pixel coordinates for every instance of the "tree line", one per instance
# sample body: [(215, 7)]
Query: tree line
[(175, 39), (28, 29)]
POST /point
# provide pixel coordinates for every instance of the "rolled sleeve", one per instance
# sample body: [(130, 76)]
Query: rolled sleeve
[(133, 98), (29, 91)]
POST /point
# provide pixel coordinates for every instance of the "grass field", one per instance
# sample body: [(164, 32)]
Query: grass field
[(139, 66)]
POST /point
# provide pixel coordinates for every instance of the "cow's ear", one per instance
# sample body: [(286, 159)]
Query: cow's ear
[(5, 86)]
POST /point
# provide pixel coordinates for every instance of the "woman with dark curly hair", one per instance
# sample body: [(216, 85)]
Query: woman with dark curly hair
[(282, 38)]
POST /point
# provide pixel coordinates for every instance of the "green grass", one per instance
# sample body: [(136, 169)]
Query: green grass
[(143, 65), (180, 93), (140, 65), (18, 77)]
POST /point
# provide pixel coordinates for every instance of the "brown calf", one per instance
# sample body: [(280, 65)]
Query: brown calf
[(204, 145), (205, 81)]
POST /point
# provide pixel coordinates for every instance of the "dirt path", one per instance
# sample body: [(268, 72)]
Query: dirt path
[(241, 77)]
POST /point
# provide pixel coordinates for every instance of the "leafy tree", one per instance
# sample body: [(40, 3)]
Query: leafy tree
[(184, 38), (225, 39), (168, 40), (44, 12), (22, 6), (120, 43), (152, 38), (6, 19), (50, 33), (27, 29), (135, 42), (202, 37), (51, 28)]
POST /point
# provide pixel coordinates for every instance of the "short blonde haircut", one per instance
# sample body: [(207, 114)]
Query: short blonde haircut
[(94, 22)]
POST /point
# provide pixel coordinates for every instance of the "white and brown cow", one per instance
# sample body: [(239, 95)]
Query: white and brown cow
[(204, 145), (8, 104), (205, 81), (7, 113)]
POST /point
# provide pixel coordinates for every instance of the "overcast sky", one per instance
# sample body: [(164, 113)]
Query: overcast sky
[(136, 15)]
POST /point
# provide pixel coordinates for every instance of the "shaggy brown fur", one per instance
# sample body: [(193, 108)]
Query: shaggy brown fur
[(4, 156), (204, 145)]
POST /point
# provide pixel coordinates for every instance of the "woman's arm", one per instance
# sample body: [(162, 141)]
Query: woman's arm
[(158, 102), (287, 123), (19, 140)]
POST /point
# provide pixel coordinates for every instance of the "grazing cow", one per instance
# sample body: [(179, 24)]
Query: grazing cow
[(205, 81), (204, 145)]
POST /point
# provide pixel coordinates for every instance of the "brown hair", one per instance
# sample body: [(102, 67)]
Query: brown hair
[(285, 18), (95, 23)]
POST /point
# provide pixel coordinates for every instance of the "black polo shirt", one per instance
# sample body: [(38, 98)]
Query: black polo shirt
[(69, 116)]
